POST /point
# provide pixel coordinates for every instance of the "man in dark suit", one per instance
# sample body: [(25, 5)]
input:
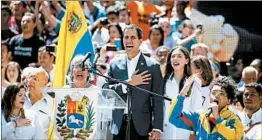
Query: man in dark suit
[(144, 72)]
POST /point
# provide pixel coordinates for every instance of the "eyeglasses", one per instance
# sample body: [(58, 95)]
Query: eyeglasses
[(219, 93), (80, 66)]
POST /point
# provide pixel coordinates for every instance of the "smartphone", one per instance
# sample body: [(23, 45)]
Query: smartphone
[(111, 48), (50, 48), (118, 44)]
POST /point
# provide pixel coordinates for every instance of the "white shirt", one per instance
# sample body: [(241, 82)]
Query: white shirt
[(205, 95), (191, 103), (255, 132), (31, 132), (43, 109), (131, 67)]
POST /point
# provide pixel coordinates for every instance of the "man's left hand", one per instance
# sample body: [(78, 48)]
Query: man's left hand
[(154, 135)]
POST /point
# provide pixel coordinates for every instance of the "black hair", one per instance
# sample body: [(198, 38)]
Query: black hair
[(157, 27), (6, 8), (135, 27), (256, 86), (31, 15), (239, 98), (226, 83), (9, 99), (119, 29), (169, 69)]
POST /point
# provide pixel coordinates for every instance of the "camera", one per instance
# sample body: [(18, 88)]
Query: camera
[(104, 21), (50, 48), (200, 26)]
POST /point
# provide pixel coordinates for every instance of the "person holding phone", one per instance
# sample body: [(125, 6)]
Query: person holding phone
[(114, 44)]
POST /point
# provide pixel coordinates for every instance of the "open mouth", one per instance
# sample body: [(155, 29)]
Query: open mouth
[(79, 75), (248, 102), (129, 47), (22, 102), (176, 64)]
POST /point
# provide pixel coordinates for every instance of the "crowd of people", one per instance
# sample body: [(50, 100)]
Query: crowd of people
[(159, 47)]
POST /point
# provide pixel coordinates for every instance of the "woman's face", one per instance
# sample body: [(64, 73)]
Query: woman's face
[(195, 70), (12, 73), (155, 36), (113, 33), (79, 75), (178, 60), (166, 27), (20, 99)]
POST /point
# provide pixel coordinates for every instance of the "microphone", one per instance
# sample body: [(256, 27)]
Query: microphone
[(209, 111), (83, 62)]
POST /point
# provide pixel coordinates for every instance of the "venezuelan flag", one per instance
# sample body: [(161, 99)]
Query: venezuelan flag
[(74, 38)]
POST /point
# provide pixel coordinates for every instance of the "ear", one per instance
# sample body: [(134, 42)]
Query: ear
[(187, 61), (140, 41)]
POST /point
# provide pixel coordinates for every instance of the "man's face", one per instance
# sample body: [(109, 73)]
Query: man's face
[(219, 93), (239, 65), (180, 7), (124, 17), (162, 55), (112, 18), (27, 24), (250, 77), (5, 54), (251, 98), (199, 51), (17, 8), (131, 42), (5, 16), (45, 59)]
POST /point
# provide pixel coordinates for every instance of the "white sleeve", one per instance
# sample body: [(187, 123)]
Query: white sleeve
[(8, 129)]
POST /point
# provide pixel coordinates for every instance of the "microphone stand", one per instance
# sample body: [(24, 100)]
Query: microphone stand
[(129, 87)]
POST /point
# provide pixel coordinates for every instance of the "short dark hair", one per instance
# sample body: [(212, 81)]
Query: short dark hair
[(228, 84), (239, 98), (31, 15), (256, 86), (135, 27), (5, 42), (6, 8)]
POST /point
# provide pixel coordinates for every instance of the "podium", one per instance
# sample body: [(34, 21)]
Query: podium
[(84, 112)]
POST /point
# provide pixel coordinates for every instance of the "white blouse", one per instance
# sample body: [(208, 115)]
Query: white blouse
[(191, 103), (31, 132)]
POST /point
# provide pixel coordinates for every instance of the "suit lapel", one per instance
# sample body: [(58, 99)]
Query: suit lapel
[(141, 64)]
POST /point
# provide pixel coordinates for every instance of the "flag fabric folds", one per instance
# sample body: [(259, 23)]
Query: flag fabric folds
[(74, 38)]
